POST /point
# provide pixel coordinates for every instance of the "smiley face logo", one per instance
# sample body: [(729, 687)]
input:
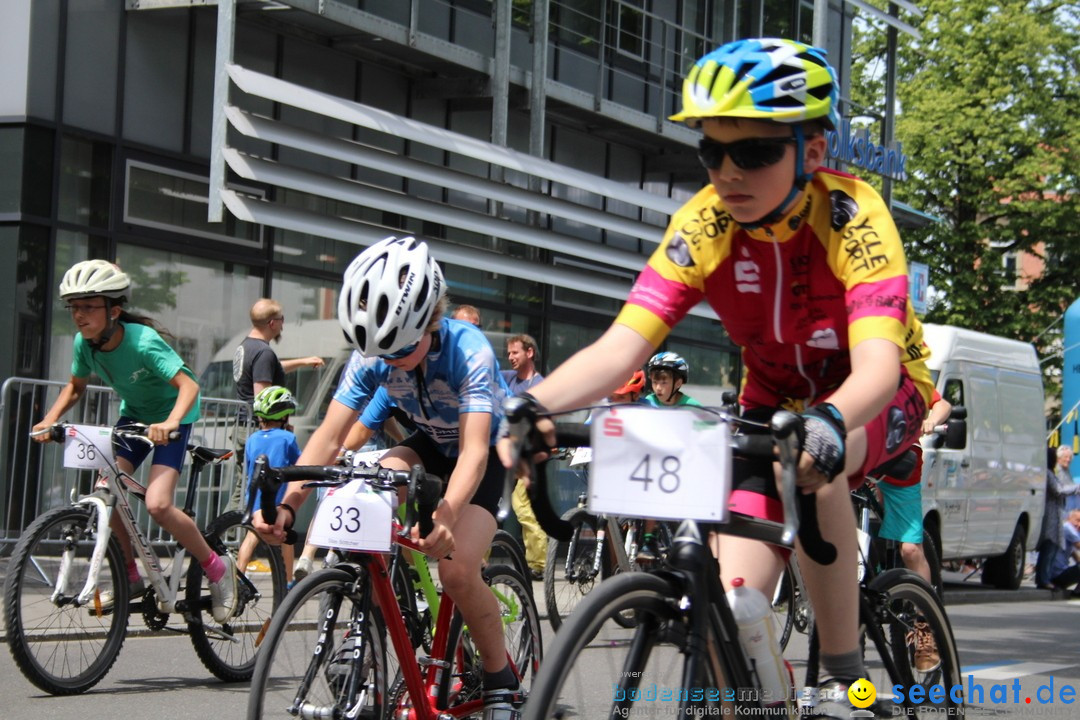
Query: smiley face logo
[(862, 693)]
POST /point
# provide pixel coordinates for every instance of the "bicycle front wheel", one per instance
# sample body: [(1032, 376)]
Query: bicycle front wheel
[(598, 670), (920, 637), (59, 646), (506, 550), (569, 573), (323, 656), (228, 649)]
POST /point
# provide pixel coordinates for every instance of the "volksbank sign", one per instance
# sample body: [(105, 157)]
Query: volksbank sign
[(859, 150)]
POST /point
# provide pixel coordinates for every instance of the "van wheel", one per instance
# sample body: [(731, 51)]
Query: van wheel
[(1006, 571)]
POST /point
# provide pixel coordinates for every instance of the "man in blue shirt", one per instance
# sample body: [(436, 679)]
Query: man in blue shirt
[(521, 354)]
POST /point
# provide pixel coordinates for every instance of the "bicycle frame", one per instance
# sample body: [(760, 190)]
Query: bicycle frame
[(424, 688), (104, 501)]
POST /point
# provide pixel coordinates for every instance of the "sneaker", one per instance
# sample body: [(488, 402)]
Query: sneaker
[(503, 704), (223, 592), (830, 700), (536, 575), (301, 569), (332, 559), (927, 658), (648, 552), (136, 589)]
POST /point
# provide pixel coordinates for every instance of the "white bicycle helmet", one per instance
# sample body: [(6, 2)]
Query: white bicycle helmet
[(92, 278), (389, 293)]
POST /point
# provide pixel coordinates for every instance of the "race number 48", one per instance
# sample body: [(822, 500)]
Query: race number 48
[(664, 471), (663, 463)]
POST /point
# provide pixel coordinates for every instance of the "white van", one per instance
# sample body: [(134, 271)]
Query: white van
[(983, 494)]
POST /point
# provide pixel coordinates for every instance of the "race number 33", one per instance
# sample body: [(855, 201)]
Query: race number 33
[(668, 464), (353, 518)]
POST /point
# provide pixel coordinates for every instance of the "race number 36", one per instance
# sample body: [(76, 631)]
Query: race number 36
[(88, 447), (668, 464)]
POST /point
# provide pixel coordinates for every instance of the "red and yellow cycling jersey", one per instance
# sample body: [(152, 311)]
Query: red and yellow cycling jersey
[(795, 296)]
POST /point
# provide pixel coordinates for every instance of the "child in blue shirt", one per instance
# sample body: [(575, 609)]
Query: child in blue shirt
[(272, 406)]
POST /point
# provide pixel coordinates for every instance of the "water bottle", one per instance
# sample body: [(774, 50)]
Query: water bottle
[(757, 633)]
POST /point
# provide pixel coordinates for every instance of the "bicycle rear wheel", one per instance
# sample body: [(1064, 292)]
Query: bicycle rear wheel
[(596, 669), (912, 614), (323, 656), (62, 648), (569, 573), (228, 649)]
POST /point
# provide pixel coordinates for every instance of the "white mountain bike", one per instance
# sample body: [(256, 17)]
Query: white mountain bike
[(66, 597)]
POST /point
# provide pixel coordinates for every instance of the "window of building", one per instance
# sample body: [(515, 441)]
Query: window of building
[(71, 247), (202, 302), (168, 199), (85, 182), (629, 27)]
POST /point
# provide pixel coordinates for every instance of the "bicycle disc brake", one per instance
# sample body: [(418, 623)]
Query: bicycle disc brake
[(154, 619)]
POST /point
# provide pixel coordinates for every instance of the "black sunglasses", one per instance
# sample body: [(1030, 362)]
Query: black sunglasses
[(749, 154)]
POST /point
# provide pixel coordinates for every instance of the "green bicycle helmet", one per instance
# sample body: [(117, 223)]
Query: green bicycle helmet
[(274, 403)]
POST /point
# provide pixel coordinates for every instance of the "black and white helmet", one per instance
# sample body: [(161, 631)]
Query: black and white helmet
[(389, 293), (92, 278), (670, 361)]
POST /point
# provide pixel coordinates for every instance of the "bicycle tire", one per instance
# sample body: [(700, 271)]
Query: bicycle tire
[(288, 667), (63, 650), (933, 559), (507, 550), (576, 681), (569, 579), (228, 649), (909, 598), (783, 606)]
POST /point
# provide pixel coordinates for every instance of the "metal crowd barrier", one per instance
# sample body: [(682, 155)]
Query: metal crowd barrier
[(35, 480)]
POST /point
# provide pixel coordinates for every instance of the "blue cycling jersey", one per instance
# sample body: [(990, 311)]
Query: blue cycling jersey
[(461, 376)]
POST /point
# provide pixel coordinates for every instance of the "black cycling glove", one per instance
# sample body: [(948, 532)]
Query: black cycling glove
[(824, 436)]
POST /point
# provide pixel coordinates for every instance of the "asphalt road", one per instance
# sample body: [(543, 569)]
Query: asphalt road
[(1013, 650)]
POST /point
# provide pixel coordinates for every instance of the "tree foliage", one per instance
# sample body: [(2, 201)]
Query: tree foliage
[(987, 106)]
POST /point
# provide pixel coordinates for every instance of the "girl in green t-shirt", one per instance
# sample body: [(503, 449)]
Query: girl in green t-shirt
[(155, 388)]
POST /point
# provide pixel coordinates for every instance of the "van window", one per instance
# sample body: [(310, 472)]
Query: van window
[(954, 392), (983, 410), (217, 382)]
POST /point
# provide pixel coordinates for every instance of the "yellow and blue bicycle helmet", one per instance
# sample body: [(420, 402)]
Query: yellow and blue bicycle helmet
[(763, 79)]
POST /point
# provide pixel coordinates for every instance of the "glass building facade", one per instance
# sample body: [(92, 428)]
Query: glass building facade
[(105, 144)]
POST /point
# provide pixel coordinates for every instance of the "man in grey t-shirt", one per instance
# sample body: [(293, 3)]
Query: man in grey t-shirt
[(255, 364)]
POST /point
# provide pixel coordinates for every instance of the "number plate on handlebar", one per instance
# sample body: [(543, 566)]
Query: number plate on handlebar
[(659, 463), (88, 447), (353, 517)]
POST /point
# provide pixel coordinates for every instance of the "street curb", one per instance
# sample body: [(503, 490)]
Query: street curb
[(956, 594)]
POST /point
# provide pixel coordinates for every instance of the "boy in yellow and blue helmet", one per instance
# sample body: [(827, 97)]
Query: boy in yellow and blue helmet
[(804, 267)]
